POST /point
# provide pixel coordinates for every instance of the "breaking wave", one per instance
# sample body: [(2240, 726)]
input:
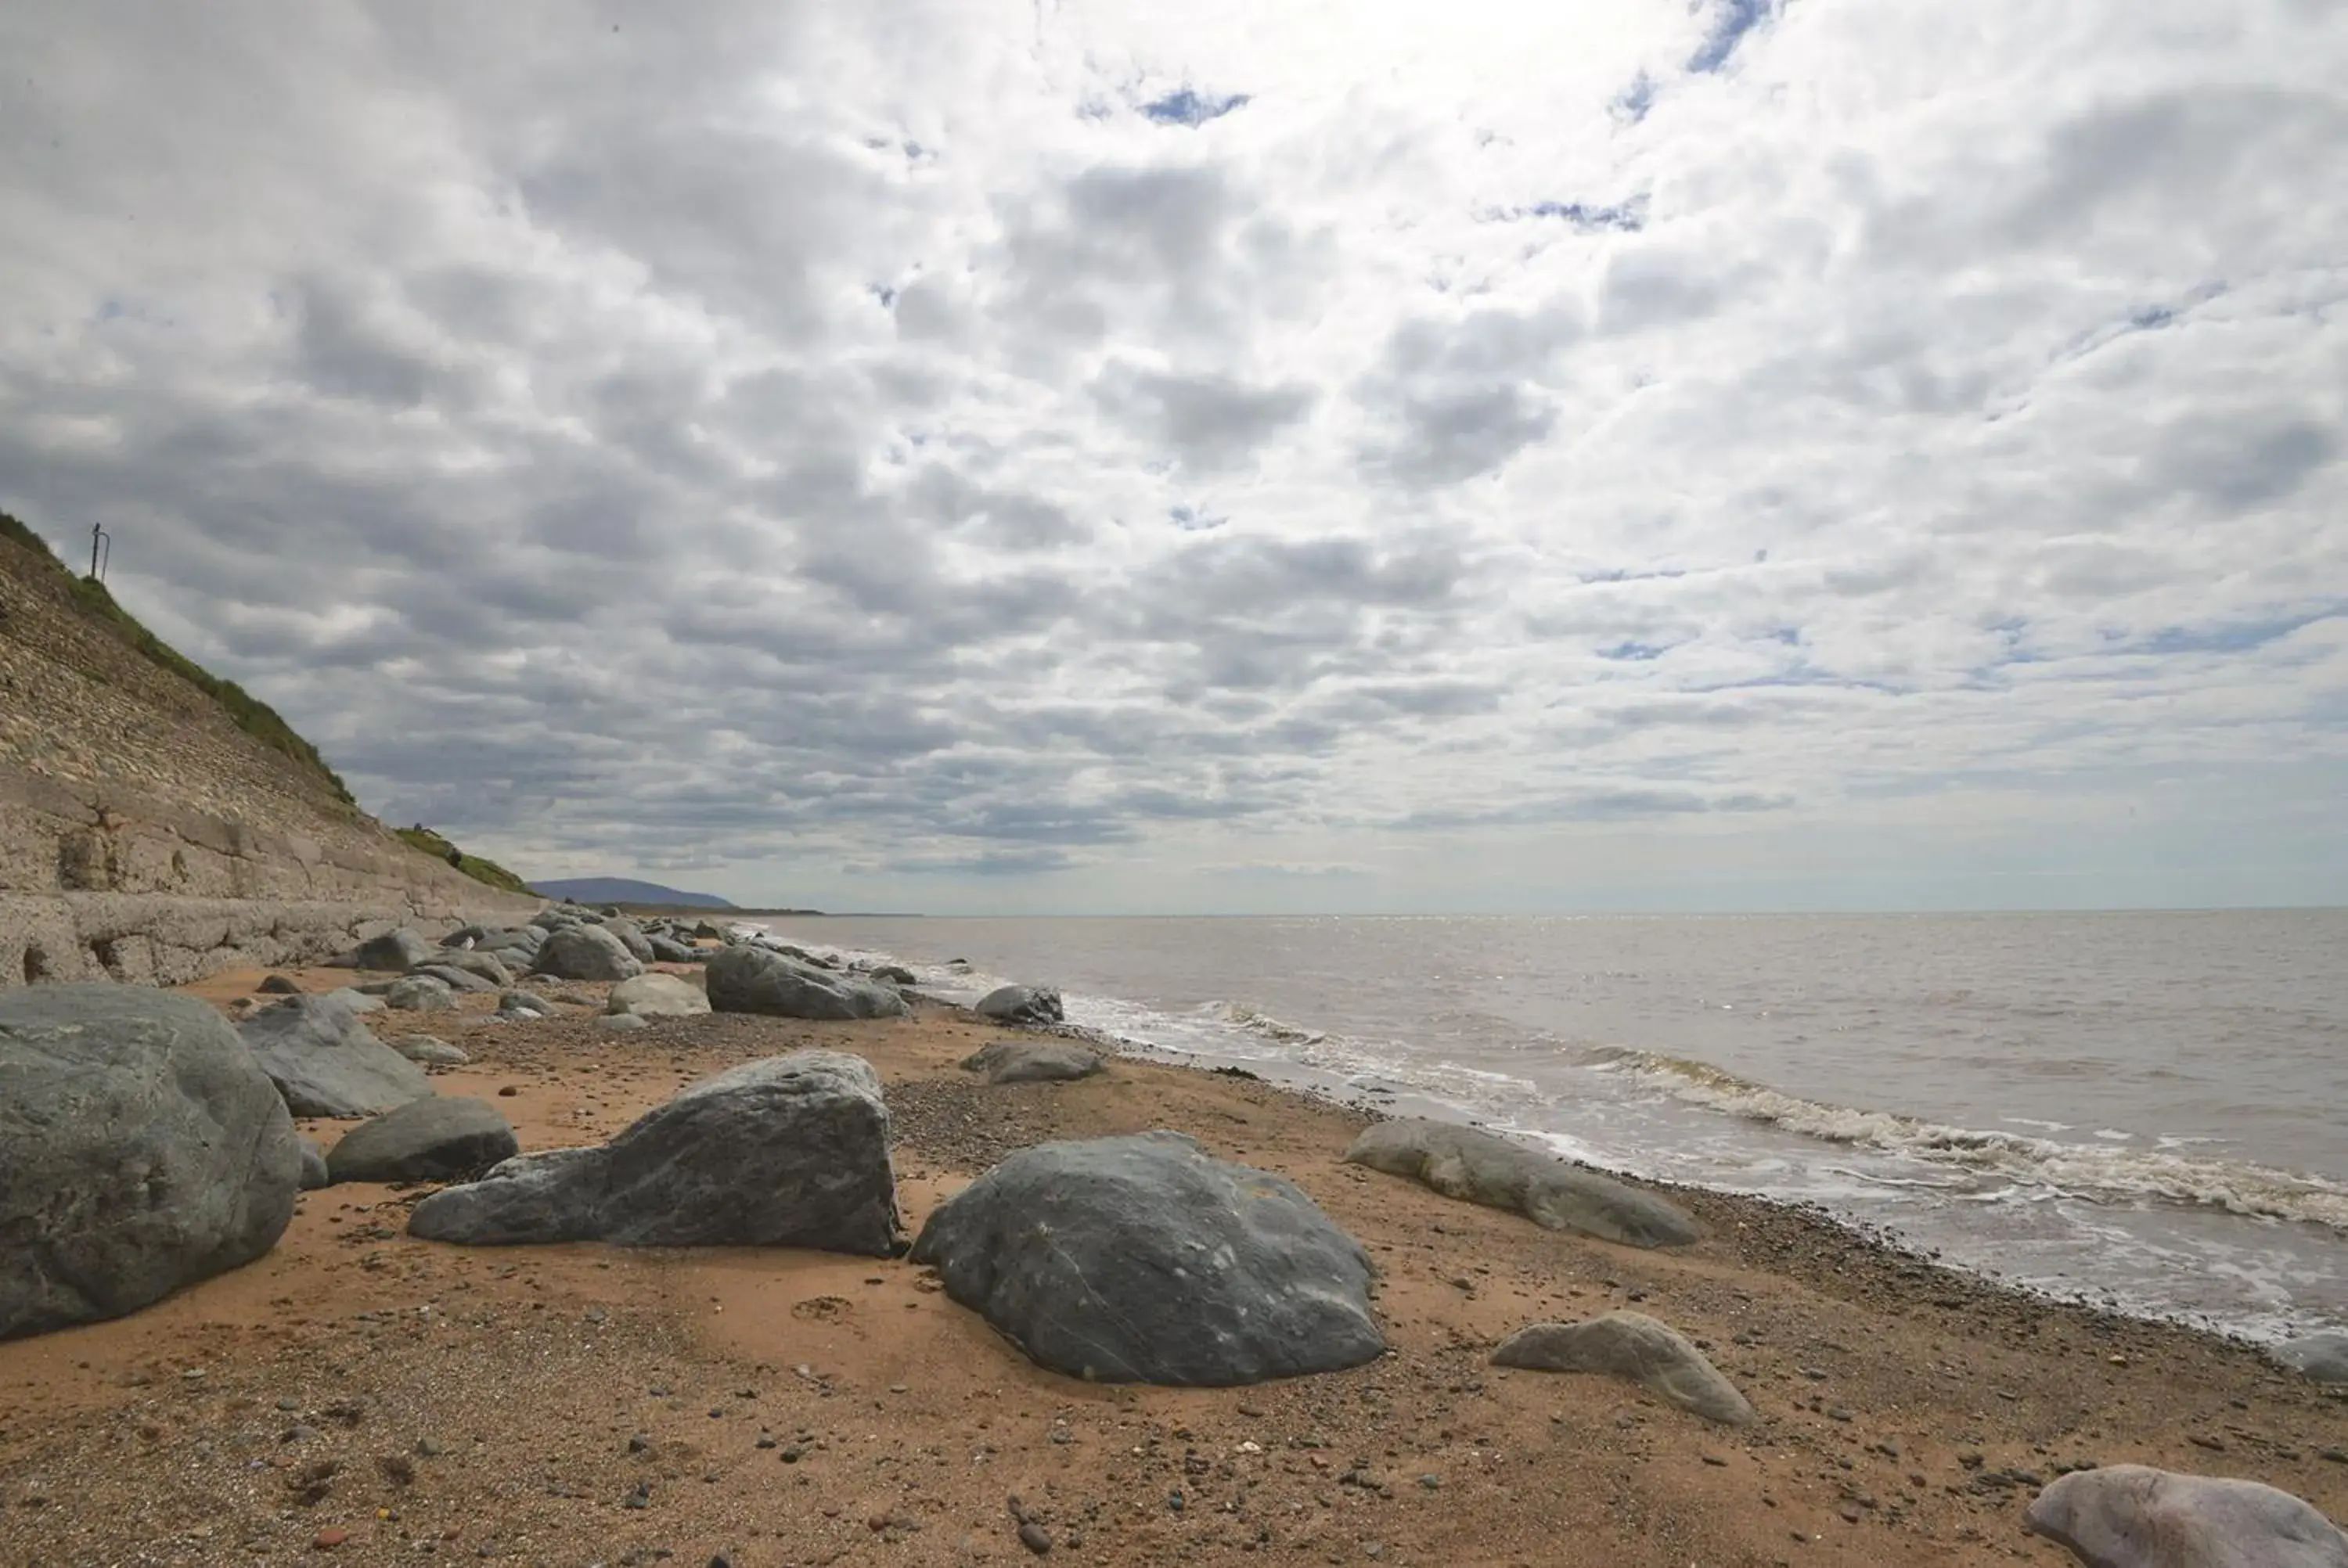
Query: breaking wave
[(1238, 1015), (2104, 1173)]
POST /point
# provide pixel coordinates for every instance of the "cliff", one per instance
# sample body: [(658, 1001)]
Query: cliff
[(158, 823)]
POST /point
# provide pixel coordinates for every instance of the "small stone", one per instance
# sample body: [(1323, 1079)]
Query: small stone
[(289, 1403), (791, 1455), (428, 1447), (1036, 1538), (640, 1498), (508, 1091), (1432, 1482), (326, 1540), (639, 1443)]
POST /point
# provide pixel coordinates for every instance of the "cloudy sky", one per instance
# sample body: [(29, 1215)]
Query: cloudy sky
[(1345, 454)]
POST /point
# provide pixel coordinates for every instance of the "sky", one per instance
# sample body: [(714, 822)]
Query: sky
[(1073, 457)]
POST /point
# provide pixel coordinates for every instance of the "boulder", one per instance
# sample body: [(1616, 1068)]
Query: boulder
[(429, 1051), (669, 950), (517, 943), (1485, 1168), (789, 1151), (324, 1062), (435, 1140), (421, 993), (2133, 1516), (2319, 1358), (1032, 1061), (448, 975), (760, 980), (141, 1150), (632, 936), (279, 985), (313, 1167), (1143, 1259), (658, 996), (893, 974), (1034, 1005), (1634, 1346), (356, 1000), (518, 1001), (395, 952), (487, 968), (586, 953), (622, 1023)]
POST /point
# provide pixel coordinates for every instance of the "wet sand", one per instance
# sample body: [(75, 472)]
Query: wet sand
[(359, 1396)]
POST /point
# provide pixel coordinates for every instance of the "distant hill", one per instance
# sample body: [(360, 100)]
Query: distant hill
[(625, 890)]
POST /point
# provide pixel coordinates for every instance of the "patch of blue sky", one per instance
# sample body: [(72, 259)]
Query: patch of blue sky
[(1185, 106)]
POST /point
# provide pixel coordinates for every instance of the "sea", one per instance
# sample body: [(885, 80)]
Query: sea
[(2144, 1111)]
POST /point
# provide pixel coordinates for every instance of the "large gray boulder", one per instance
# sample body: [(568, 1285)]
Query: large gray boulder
[(669, 950), (141, 1150), (421, 993), (2133, 1516), (586, 953), (1032, 1061), (428, 1051), (432, 1139), (1483, 1168), (757, 980), (324, 1062), (2319, 1358), (396, 951), (658, 996), (1034, 1005), (1634, 1346), (447, 976), (789, 1150), (512, 944), (632, 936), (482, 965), (1144, 1259)]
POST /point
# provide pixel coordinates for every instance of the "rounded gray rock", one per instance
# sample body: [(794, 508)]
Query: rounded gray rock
[(657, 995), (2319, 1358), (1032, 1061), (1032, 1005), (434, 1139), (421, 993), (395, 951), (429, 1051), (760, 980), (2134, 1516), (1636, 1347), (586, 953), (145, 1151), (1142, 1259), (787, 1151), (326, 1062)]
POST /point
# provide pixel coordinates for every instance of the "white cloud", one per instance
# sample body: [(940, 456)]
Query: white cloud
[(1090, 455)]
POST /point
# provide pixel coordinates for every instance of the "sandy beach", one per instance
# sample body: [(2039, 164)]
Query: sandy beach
[(361, 1396)]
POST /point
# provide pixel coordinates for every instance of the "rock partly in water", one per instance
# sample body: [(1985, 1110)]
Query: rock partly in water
[(1032, 1061), (324, 1062), (789, 1150), (436, 1140), (1634, 1346), (586, 953), (1483, 1168), (144, 1150), (1144, 1259), (429, 1051), (2319, 1358), (2133, 1516), (760, 980), (893, 974), (1034, 1005), (395, 952), (313, 1167), (658, 996), (421, 993)]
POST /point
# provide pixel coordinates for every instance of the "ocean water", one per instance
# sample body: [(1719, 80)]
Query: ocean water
[(2147, 1111)]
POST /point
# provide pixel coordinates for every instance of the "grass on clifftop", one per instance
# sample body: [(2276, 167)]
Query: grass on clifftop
[(478, 868), (248, 712)]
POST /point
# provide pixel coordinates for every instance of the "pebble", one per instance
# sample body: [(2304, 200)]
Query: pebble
[(1036, 1538), (640, 1498), (326, 1540), (428, 1447)]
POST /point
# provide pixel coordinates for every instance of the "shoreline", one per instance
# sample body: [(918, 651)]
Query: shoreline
[(1907, 1408)]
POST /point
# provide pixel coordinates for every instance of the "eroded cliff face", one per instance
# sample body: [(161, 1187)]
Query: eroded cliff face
[(146, 835)]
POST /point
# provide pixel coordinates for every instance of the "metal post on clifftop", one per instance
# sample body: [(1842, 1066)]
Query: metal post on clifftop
[(99, 539)]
